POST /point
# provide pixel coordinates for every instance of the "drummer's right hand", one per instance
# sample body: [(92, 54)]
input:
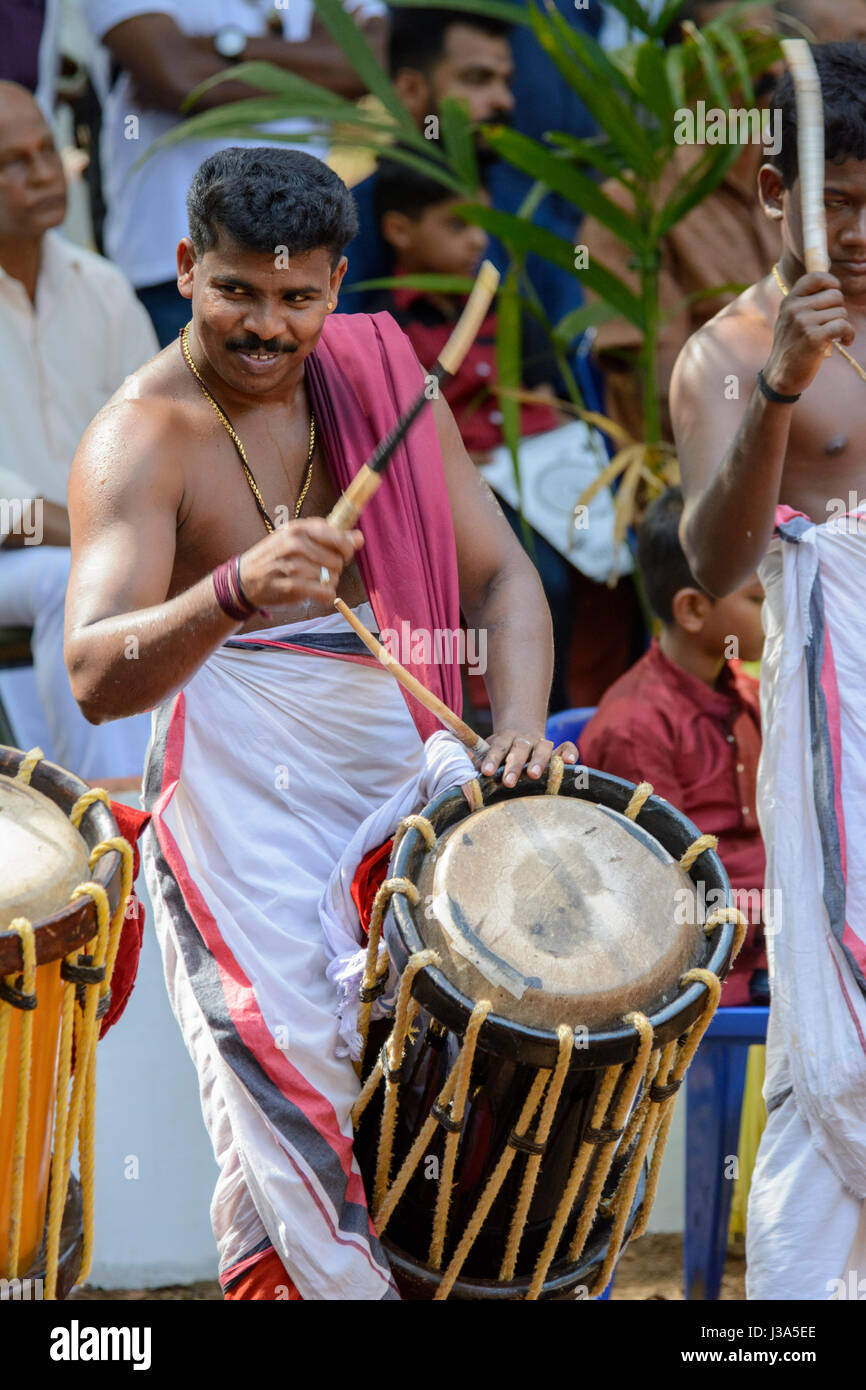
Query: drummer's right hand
[(568, 751), (287, 566), (810, 317)]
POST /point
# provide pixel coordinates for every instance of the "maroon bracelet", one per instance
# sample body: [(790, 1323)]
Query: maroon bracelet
[(229, 593)]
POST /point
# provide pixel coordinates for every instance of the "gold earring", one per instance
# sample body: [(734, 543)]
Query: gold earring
[(330, 303)]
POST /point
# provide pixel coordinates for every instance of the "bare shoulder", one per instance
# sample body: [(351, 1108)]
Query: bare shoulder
[(137, 442), (736, 340)]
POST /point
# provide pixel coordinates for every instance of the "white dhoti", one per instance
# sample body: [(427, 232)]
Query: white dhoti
[(261, 771), (806, 1233)]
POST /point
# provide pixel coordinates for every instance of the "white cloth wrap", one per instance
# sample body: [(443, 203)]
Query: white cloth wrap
[(446, 764), (261, 774), (812, 808)]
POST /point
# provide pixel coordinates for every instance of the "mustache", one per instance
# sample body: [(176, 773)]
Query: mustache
[(249, 343)]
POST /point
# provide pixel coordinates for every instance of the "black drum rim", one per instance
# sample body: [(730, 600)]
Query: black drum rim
[(539, 1046)]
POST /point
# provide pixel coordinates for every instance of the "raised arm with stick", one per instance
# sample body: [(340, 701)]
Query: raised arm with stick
[(739, 452)]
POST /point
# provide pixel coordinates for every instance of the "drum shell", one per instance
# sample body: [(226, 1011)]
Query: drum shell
[(68, 929), (535, 1046), (506, 1057)]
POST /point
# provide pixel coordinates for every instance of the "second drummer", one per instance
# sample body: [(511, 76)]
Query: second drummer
[(767, 402), (266, 757)]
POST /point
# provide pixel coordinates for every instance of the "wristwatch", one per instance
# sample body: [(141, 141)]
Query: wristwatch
[(230, 43)]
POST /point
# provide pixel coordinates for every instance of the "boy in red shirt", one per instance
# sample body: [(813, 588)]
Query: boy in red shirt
[(416, 218), (686, 718)]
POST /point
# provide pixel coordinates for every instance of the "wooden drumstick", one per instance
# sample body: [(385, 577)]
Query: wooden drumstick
[(365, 482), (468, 737), (810, 154)]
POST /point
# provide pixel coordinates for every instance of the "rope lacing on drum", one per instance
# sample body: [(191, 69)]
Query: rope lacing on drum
[(631, 1114), (86, 977)]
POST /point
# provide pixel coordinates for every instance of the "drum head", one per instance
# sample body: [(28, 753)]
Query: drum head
[(558, 910), (42, 855)]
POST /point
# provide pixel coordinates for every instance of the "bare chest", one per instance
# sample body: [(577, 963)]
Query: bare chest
[(826, 458), (222, 512)]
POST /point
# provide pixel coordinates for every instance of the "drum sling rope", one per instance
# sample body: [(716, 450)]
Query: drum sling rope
[(633, 1108), (86, 977)]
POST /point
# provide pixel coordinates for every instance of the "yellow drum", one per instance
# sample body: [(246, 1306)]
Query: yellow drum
[(65, 879)]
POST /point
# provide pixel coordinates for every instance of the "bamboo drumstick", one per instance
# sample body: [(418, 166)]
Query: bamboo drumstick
[(810, 154), (810, 151), (368, 477), (468, 737)]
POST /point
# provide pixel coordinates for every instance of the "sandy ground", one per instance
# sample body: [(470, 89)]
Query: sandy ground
[(650, 1269)]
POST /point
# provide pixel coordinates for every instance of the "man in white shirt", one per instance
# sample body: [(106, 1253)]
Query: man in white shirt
[(159, 51), (71, 330)]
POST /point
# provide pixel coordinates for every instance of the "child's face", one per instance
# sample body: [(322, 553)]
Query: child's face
[(737, 616), (441, 242)]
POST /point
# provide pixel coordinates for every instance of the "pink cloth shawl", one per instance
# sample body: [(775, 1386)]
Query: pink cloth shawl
[(362, 375)]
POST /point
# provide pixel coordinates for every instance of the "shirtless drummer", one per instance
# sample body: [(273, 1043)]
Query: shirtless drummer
[(272, 743), (771, 435)]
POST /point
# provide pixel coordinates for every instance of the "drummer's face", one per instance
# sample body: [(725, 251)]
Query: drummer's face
[(258, 315)]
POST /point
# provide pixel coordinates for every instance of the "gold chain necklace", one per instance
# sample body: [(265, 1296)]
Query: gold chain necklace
[(184, 342), (844, 351)]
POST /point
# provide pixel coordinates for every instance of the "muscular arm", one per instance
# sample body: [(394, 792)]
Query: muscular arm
[(126, 647), (731, 455), (732, 452), (501, 595), (166, 64)]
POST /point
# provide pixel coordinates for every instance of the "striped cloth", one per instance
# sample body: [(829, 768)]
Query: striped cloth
[(260, 772), (806, 1211)]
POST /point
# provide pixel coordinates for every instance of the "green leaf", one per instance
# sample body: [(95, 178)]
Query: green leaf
[(562, 177), (730, 42), (666, 15), (497, 9), (653, 83), (267, 77), (607, 108), (458, 139), (400, 155), (592, 152), (635, 14), (706, 175), (588, 52), (509, 365), (350, 38), (579, 320), (709, 62), (524, 237), (675, 65)]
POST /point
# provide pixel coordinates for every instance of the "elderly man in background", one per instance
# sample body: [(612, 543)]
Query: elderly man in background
[(158, 51), (70, 331)]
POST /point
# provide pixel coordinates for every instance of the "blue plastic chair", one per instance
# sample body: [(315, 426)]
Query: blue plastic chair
[(715, 1083), (569, 724)]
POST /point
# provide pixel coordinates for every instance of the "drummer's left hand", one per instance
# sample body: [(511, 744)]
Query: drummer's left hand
[(522, 750)]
